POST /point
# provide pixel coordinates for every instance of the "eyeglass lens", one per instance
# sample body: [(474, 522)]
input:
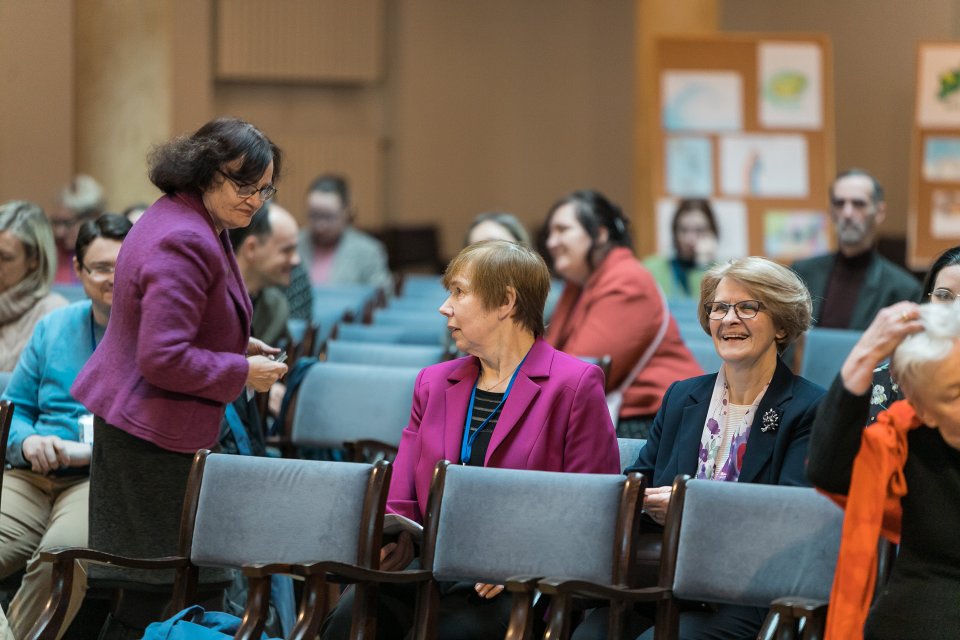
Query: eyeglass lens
[(745, 309)]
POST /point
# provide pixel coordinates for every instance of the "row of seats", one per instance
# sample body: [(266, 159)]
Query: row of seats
[(731, 543)]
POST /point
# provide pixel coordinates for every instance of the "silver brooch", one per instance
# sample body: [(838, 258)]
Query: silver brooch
[(770, 421)]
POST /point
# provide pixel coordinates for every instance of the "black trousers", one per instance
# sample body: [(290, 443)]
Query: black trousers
[(464, 615), (724, 622)]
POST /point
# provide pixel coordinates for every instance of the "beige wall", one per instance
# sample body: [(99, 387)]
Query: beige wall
[(36, 113), (874, 50), (506, 105)]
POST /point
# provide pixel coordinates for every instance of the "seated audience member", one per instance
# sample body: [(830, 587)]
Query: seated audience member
[(514, 402), (81, 200), (867, 368), (749, 422), (333, 251), (497, 225), (611, 306), (900, 476), (44, 502), (30, 260), (850, 286), (695, 248), (266, 251)]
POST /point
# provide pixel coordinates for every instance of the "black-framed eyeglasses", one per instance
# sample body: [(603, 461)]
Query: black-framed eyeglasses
[(248, 190), (745, 309), (941, 295), (100, 270)]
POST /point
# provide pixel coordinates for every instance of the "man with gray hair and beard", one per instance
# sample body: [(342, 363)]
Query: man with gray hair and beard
[(850, 286)]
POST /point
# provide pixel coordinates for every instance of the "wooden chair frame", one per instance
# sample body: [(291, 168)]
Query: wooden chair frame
[(185, 586), (6, 418)]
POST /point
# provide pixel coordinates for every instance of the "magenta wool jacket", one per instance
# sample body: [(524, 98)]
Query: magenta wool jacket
[(174, 351), (555, 419)]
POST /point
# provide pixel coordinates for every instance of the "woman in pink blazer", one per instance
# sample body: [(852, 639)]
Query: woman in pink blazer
[(514, 402)]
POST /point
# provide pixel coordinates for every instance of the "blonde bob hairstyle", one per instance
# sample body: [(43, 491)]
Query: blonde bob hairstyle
[(29, 224), (941, 330), (780, 291), (493, 265)]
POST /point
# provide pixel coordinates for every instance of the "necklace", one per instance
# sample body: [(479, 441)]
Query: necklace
[(499, 382)]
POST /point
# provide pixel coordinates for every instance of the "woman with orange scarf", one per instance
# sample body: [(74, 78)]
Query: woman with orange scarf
[(900, 476)]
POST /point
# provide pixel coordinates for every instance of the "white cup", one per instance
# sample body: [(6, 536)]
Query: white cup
[(86, 428)]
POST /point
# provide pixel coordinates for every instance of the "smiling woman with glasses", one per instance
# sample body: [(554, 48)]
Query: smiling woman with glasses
[(748, 422), (179, 345)]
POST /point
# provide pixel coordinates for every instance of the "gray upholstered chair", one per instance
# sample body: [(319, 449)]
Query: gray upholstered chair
[(705, 353), (361, 407), (243, 510), (391, 355), (390, 334), (544, 523), (731, 543), (824, 351), (423, 322), (629, 450)]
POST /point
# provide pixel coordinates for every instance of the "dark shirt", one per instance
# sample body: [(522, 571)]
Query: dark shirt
[(681, 273), (483, 406), (840, 298)]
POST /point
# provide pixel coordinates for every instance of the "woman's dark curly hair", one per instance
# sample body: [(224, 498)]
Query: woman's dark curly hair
[(191, 163)]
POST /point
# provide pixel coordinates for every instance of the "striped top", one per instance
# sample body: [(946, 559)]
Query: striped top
[(483, 406)]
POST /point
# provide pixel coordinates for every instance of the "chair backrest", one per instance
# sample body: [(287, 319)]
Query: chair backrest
[(824, 352), (340, 402), (685, 310), (423, 286), (393, 355), (248, 509), (72, 292), (487, 524), (749, 544), (391, 334), (705, 354), (629, 450)]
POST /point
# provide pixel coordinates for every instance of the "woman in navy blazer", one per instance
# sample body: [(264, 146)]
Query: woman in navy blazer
[(178, 345), (749, 422)]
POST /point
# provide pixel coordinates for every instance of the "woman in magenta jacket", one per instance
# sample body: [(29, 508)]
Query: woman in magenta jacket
[(515, 402), (178, 345)]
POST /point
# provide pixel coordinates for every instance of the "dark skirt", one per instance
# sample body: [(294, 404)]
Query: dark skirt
[(136, 499)]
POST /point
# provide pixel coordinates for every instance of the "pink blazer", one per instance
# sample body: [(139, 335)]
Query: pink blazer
[(555, 419)]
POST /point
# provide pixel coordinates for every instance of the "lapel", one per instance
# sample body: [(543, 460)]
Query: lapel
[(522, 395), (235, 286), (760, 444), (457, 399), (868, 299), (691, 425)]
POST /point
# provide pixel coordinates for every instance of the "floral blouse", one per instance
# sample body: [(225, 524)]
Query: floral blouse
[(885, 391)]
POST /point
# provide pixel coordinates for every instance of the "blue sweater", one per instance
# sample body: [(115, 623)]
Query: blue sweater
[(39, 387)]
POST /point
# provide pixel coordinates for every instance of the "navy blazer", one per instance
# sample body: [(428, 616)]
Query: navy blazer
[(777, 456)]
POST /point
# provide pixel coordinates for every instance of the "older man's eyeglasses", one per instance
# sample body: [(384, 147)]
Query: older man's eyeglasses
[(944, 296), (99, 270), (745, 309), (248, 190)]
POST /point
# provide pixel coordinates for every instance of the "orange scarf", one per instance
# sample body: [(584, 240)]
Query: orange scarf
[(872, 508)]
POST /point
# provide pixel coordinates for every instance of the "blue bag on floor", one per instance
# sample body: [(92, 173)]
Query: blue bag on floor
[(193, 623)]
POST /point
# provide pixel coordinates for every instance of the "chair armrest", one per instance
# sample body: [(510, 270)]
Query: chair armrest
[(586, 589), (69, 554), (522, 584), (338, 572)]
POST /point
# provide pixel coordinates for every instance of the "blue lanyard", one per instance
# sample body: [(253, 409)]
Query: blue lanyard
[(466, 447)]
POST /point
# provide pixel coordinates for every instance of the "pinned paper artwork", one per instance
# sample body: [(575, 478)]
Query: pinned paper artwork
[(793, 235), (731, 217), (791, 85), (701, 100), (941, 159), (764, 166), (689, 166), (938, 99), (945, 214)]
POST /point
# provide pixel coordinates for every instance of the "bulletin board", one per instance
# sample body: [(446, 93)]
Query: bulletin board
[(933, 221), (747, 121)]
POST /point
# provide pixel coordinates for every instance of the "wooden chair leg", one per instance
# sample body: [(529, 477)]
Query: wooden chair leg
[(256, 610), (561, 608), (364, 624), (314, 607), (428, 607), (521, 620), (47, 627)]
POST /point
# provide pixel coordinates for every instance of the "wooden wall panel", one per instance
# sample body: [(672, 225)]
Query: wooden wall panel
[(300, 40), (359, 157)]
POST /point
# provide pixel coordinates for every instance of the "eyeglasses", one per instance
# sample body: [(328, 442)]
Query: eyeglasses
[(856, 203), (100, 270), (248, 190), (745, 309), (942, 295)]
